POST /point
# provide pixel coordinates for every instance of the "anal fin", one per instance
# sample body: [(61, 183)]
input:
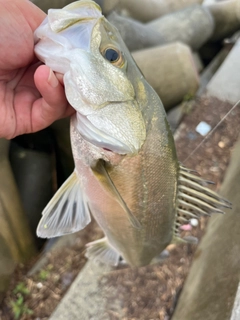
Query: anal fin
[(102, 251), (67, 211)]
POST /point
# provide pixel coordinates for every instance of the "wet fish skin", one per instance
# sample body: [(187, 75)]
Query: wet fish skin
[(126, 169)]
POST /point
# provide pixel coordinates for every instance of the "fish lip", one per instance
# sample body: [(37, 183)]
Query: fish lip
[(99, 138)]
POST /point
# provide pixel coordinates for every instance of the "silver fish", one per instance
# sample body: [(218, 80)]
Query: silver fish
[(126, 169)]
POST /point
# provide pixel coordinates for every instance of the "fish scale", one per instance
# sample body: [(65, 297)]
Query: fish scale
[(127, 175)]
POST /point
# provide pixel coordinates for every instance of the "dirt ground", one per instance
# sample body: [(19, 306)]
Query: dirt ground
[(149, 292)]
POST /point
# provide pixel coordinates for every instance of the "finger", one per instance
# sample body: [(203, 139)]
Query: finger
[(59, 77), (53, 105)]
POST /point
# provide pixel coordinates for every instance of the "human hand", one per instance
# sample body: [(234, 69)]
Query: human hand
[(31, 95)]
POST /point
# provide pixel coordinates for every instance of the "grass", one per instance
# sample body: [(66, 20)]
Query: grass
[(45, 273), (18, 306)]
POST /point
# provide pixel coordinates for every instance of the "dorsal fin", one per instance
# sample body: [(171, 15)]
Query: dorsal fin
[(195, 199)]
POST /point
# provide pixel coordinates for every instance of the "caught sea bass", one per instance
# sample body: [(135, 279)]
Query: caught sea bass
[(126, 169)]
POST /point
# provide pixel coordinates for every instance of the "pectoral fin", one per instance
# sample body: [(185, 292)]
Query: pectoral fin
[(102, 251), (103, 177), (67, 212)]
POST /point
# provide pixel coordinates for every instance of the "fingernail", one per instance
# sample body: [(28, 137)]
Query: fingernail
[(52, 80)]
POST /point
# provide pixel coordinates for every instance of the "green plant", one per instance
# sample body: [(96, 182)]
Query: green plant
[(19, 308), (43, 275), (188, 96), (21, 288)]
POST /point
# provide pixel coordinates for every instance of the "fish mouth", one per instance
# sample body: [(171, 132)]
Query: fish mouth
[(99, 138)]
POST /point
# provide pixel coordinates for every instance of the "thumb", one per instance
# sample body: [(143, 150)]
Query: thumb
[(53, 105)]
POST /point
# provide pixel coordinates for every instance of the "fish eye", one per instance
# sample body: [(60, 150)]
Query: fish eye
[(114, 56), (111, 55)]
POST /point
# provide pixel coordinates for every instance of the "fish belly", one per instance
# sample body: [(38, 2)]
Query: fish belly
[(150, 197)]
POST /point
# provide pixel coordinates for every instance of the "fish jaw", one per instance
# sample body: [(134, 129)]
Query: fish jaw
[(60, 25)]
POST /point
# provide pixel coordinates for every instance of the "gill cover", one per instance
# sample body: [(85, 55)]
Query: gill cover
[(78, 42)]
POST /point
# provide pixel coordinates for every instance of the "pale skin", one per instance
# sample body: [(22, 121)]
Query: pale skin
[(31, 96)]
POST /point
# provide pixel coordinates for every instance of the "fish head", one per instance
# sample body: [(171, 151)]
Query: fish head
[(100, 77)]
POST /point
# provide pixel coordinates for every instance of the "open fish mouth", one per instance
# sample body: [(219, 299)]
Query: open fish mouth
[(102, 139)]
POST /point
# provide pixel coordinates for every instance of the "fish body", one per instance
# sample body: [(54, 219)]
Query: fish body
[(126, 169), (137, 178)]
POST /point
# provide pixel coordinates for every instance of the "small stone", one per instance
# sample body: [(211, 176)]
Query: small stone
[(39, 285), (221, 144), (191, 135), (214, 169), (194, 222), (186, 227), (203, 128), (67, 279)]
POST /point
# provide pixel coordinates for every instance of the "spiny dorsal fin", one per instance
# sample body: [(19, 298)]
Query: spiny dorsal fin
[(195, 199), (67, 211), (101, 250), (103, 177)]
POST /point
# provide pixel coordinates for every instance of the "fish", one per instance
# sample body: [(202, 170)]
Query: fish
[(127, 174)]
